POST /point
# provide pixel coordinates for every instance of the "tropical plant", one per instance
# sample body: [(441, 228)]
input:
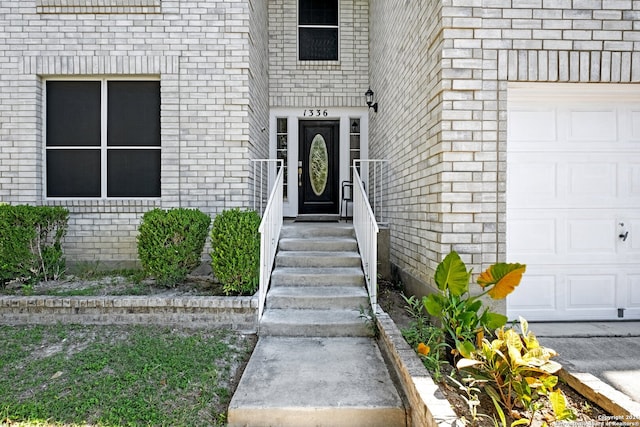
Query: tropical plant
[(516, 368), (462, 316)]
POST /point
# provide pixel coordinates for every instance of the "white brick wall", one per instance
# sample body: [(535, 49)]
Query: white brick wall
[(342, 83), (442, 119), (201, 52)]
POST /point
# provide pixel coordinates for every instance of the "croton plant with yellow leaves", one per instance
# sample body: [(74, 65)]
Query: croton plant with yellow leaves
[(463, 317)]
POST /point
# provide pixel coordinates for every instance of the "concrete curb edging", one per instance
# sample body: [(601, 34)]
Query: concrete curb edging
[(427, 405), (607, 397), (237, 313)]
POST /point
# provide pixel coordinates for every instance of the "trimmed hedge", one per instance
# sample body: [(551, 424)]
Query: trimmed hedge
[(170, 243), (31, 242), (235, 251)]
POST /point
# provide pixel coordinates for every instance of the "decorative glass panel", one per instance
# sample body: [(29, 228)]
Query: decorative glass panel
[(281, 151), (318, 165)]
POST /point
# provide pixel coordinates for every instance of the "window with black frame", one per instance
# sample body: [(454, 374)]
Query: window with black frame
[(103, 138), (318, 30)]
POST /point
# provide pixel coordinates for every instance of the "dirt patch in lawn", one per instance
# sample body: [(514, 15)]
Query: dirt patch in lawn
[(117, 285), (390, 298)]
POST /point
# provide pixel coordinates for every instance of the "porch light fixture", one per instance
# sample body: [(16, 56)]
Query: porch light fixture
[(369, 97)]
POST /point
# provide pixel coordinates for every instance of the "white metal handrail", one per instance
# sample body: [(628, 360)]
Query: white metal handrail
[(375, 176), (366, 227), (269, 229), (264, 176)]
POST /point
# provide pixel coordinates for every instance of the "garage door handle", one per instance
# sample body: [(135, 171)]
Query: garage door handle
[(624, 236)]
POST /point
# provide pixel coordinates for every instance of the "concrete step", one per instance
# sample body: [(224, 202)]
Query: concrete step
[(335, 382), (317, 259), (314, 323), (317, 230), (328, 244), (318, 298), (293, 276)]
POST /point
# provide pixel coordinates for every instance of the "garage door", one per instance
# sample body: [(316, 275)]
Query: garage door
[(573, 200)]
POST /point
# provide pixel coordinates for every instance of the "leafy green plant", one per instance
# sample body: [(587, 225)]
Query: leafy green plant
[(170, 243), (31, 242), (425, 338), (235, 250), (469, 387), (517, 369), (462, 315)]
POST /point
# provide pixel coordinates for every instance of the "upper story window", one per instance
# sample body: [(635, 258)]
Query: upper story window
[(318, 30), (103, 138)]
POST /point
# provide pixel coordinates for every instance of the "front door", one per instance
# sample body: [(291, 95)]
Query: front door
[(318, 167)]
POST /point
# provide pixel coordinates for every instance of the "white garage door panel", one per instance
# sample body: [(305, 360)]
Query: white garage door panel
[(528, 128), (592, 126), (593, 291), (536, 292), (633, 291), (573, 187), (591, 236)]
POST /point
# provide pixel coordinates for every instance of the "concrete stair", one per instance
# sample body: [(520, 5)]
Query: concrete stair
[(323, 260), (316, 362)]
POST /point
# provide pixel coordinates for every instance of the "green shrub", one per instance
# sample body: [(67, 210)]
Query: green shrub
[(170, 243), (30, 242), (235, 251)]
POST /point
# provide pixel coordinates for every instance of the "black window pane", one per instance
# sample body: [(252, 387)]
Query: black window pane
[(318, 12), (73, 113), (133, 113), (73, 173), (133, 173), (318, 44)]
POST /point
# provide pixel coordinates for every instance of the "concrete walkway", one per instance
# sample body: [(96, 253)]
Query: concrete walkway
[(324, 381), (316, 362), (608, 350)]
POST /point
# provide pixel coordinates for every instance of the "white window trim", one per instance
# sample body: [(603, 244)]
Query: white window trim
[(103, 135)]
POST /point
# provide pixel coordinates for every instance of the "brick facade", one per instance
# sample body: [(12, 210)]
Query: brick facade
[(440, 71), (341, 83), (441, 74), (202, 53)]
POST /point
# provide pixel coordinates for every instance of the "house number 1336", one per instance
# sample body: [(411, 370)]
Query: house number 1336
[(311, 112)]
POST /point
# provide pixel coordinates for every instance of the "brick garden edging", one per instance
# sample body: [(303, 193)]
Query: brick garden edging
[(237, 313)]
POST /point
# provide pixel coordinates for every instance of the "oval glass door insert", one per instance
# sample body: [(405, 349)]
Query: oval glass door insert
[(318, 165)]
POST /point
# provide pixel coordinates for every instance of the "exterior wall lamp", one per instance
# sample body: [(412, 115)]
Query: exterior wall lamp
[(369, 97)]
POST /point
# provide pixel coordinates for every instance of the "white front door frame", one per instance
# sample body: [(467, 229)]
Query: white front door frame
[(294, 115)]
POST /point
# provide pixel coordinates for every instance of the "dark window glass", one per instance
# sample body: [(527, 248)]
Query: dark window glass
[(318, 44), (73, 113), (133, 113), (73, 173), (133, 173), (318, 12)]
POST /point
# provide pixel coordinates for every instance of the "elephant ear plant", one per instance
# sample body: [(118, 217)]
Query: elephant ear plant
[(463, 317)]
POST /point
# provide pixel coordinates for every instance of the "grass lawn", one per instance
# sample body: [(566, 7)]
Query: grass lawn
[(118, 375)]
